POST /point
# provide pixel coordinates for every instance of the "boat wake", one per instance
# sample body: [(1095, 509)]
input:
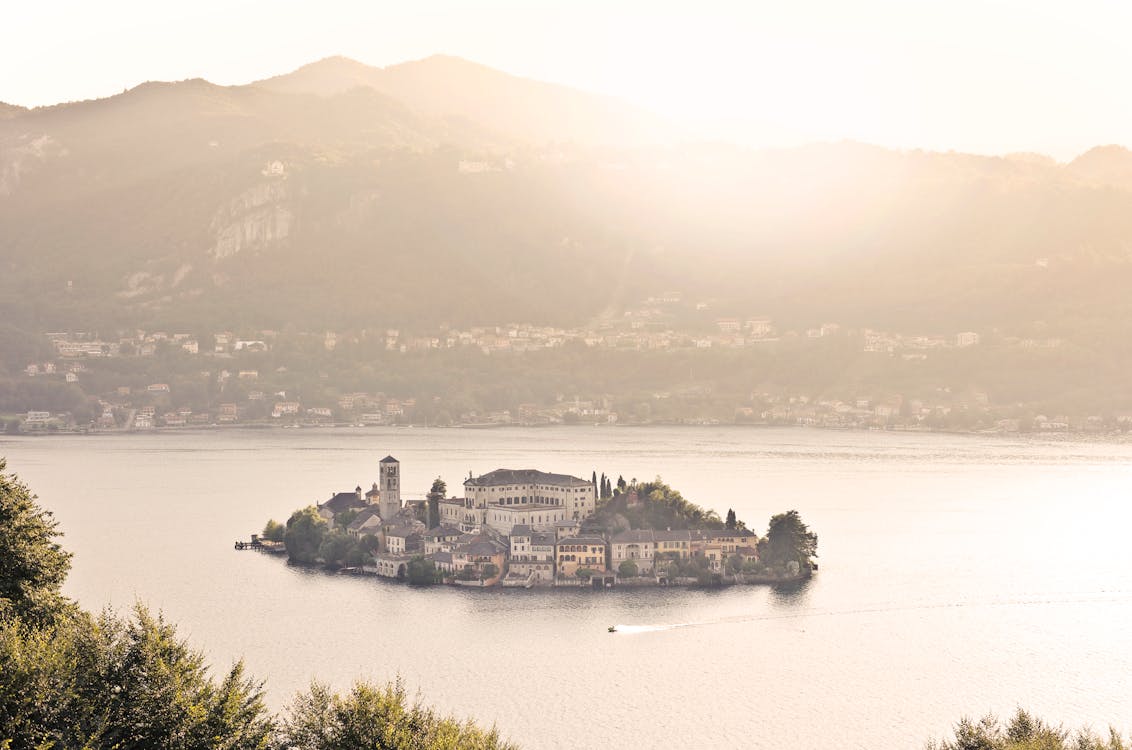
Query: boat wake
[(1106, 597)]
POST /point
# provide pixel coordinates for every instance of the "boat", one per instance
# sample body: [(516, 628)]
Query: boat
[(612, 628)]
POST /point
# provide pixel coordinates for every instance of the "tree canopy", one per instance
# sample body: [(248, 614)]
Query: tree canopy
[(304, 534), (32, 564), (1024, 731), (377, 718), (788, 539)]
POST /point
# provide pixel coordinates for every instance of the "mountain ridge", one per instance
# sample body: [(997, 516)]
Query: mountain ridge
[(189, 200)]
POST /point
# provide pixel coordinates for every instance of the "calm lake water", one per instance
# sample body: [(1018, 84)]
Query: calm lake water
[(958, 575)]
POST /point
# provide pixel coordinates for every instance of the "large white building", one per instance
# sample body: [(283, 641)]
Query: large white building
[(505, 498)]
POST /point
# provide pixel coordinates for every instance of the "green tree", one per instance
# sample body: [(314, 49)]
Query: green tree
[(422, 571), (788, 539), (32, 564), (730, 522), (376, 718), (1024, 732), (369, 544), (489, 570), (304, 534), (628, 569), (345, 518), (620, 483), (437, 493), (273, 531), (584, 574), (114, 682), (336, 548)]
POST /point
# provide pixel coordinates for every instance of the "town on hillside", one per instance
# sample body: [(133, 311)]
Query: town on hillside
[(664, 361), (527, 528)]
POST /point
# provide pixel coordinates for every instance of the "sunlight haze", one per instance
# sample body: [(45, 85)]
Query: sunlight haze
[(985, 77)]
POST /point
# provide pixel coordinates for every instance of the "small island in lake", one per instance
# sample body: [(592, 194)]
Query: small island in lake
[(525, 528)]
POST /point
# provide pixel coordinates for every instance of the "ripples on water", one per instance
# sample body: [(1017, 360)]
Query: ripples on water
[(958, 575)]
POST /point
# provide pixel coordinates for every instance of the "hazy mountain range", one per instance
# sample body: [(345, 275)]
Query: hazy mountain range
[(342, 195)]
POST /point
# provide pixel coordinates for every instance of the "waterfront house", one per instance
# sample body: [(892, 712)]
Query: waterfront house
[(392, 565), (443, 561), (531, 555), (638, 545), (477, 551), (670, 544), (574, 553)]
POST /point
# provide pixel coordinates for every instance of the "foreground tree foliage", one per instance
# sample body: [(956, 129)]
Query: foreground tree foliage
[(111, 682), (376, 718), (32, 564), (1024, 731), (72, 680)]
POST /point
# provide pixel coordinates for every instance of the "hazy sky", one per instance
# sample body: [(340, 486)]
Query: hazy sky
[(991, 76)]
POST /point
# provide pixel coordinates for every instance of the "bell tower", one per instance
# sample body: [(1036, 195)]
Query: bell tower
[(390, 485)]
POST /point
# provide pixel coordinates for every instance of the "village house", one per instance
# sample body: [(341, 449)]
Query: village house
[(477, 551), (575, 553), (441, 539), (367, 522), (339, 502), (673, 544), (638, 546), (402, 540), (531, 556), (389, 565)]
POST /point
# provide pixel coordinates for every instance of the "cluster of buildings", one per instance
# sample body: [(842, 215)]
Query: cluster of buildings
[(519, 528), (239, 390)]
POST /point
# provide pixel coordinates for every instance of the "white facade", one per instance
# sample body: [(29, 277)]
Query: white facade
[(503, 518), (506, 498)]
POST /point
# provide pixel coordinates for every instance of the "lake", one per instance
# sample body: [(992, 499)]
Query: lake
[(959, 575)]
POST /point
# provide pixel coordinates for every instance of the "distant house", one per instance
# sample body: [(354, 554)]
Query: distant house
[(158, 388), (285, 407)]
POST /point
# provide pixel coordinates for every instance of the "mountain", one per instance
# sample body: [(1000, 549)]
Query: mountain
[(10, 110), (345, 196), (450, 87), (1104, 165)]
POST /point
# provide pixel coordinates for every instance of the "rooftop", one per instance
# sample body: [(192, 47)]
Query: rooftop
[(524, 476)]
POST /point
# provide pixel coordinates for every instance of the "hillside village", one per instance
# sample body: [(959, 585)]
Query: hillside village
[(147, 380), (528, 528)]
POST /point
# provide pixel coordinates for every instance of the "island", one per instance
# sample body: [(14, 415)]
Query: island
[(526, 528)]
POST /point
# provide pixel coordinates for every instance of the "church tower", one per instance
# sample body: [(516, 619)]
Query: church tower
[(390, 484)]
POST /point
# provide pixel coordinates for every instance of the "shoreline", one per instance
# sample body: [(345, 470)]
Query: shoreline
[(632, 584), (1108, 436)]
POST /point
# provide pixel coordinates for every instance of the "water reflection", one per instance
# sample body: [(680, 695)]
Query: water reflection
[(792, 595)]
